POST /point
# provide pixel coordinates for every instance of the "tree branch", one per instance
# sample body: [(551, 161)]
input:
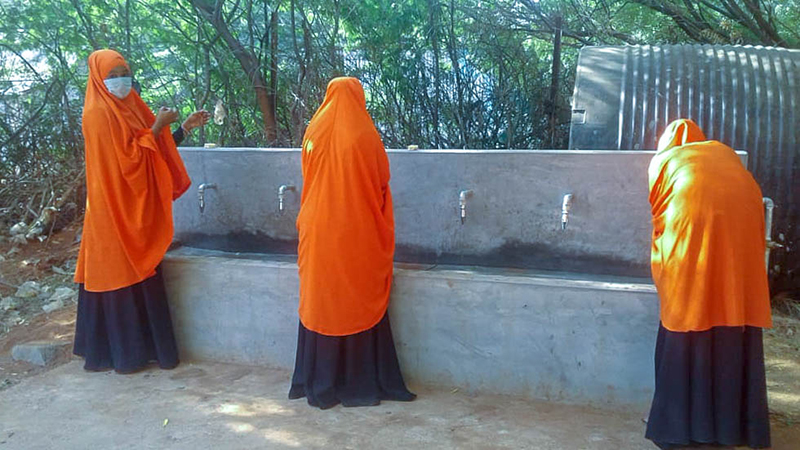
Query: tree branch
[(32, 118), (86, 21)]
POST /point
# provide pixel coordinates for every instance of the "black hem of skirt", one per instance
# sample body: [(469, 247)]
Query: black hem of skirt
[(355, 370), (126, 330), (710, 389)]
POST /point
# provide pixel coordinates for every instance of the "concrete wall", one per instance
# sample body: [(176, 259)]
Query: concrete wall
[(513, 220), (570, 338)]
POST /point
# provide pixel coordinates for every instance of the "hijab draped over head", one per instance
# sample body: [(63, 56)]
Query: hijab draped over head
[(132, 177), (708, 234), (346, 223), (680, 132)]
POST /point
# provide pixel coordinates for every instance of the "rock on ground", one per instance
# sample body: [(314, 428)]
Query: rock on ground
[(29, 289), (8, 303), (63, 294), (19, 239), (40, 353), (53, 306)]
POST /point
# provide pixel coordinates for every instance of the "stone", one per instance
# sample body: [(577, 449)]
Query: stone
[(53, 306), (63, 294), (29, 289), (13, 318), (59, 270), (40, 353), (8, 303), (19, 239), (18, 229), (35, 231)]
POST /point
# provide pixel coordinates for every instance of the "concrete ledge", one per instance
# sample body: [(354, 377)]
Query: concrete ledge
[(566, 337)]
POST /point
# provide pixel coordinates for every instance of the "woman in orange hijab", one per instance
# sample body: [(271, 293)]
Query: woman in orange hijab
[(133, 173), (708, 266), (345, 350)]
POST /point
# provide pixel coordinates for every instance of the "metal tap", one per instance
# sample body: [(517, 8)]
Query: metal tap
[(566, 206), (201, 194), (282, 194), (769, 206), (462, 203)]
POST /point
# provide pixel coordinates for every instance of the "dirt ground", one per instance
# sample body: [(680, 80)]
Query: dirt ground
[(206, 405), (49, 263), (782, 359), (215, 406)]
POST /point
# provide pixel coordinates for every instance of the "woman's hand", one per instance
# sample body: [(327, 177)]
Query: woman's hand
[(164, 117), (196, 119)]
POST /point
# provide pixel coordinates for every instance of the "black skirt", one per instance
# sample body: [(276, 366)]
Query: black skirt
[(126, 329), (711, 389), (356, 370)]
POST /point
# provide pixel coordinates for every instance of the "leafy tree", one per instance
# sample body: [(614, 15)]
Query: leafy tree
[(437, 73)]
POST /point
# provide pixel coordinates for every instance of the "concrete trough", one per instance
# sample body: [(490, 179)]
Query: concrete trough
[(541, 335), (507, 302)]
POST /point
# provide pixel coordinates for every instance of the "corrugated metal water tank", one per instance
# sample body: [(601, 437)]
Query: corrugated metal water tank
[(746, 97)]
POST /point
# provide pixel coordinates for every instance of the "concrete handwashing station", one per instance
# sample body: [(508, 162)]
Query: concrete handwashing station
[(518, 272)]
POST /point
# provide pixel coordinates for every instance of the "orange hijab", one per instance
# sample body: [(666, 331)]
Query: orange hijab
[(132, 177), (708, 234), (346, 223)]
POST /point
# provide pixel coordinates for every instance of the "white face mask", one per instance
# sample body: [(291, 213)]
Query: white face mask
[(120, 87)]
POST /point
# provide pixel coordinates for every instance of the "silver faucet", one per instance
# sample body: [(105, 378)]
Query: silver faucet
[(282, 194), (566, 206), (769, 205), (462, 203), (201, 194)]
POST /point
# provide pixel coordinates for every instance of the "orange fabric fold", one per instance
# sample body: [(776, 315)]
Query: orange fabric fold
[(346, 222), (132, 177), (708, 234)]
